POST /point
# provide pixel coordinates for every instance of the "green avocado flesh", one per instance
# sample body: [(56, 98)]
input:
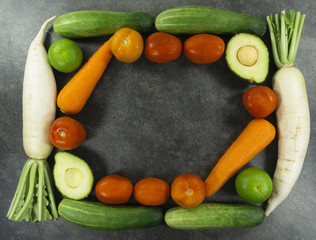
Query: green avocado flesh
[(73, 177), (248, 57)]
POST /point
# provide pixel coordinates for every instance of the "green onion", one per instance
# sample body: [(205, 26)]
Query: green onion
[(285, 33)]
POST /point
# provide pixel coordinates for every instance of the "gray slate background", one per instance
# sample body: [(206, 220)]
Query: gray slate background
[(152, 120)]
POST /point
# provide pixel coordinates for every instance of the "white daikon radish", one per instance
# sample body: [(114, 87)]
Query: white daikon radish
[(293, 118), (34, 197), (39, 100)]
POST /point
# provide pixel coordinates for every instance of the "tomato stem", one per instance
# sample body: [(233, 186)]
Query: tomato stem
[(62, 134), (125, 42), (189, 192)]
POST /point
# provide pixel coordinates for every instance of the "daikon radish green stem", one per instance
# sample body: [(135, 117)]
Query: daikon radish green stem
[(293, 117), (34, 198)]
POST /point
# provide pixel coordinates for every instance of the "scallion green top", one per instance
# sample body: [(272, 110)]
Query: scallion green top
[(285, 32)]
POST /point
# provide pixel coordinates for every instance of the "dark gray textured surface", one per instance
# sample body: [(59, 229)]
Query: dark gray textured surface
[(152, 120)]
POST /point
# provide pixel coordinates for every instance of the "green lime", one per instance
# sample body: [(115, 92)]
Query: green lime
[(253, 185), (65, 55)]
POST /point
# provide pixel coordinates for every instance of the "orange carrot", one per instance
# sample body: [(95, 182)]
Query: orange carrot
[(73, 97), (258, 134)]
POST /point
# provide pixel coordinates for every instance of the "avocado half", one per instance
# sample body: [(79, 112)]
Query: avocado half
[(73, 177), (248, 57)]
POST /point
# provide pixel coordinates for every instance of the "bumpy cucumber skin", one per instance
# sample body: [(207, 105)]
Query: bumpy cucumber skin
[(203, 19), (214, 215), (83, 24), (96, 215)]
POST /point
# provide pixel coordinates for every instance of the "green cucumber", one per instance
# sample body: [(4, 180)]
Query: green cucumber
[(202, 19), (97, 23), (215, 215), (96, 215)]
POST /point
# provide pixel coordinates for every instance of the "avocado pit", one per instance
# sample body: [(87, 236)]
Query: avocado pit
[(247, 55)]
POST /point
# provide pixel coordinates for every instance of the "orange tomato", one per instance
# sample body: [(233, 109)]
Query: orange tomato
[(188, 190), (204, 48), (114, 189), (127, 45), (151, 191), (260, 101), (162, 47)]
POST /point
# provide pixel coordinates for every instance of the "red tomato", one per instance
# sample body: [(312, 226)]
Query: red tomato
[(204, 48), (151, 191), (260, 101), (67, 133), (188, 190), (114, 189), (162, 47)]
